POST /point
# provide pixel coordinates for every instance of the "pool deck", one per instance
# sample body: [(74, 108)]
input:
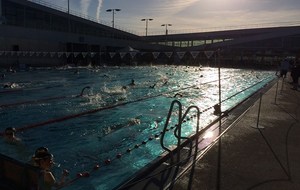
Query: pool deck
[(263, 158)]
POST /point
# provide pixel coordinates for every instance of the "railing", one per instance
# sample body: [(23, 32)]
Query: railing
[(177, 131)]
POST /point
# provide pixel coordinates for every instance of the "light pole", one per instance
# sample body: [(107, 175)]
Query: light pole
[(113, 14), (146, 19), (166, 25)]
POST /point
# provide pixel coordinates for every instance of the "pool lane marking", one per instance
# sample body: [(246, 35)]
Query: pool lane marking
[(33, 101)]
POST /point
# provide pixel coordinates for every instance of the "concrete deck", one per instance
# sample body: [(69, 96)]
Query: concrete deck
[(255, 158)]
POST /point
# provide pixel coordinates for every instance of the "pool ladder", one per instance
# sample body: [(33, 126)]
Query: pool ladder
[(181, 140)]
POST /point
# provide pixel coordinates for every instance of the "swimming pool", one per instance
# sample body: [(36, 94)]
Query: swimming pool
[(111, 123)]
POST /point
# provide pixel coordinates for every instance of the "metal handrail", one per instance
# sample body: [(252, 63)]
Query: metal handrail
[(177, 131)]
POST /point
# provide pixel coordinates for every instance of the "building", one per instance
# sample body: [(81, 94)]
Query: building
[(43, 35)]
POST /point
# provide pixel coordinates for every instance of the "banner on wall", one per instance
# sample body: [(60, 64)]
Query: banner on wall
[(194, 54), (59, 54), (84, 54), (112, 54), (25, 53), (76, 54), (181, 54), (68, 54), (168, 54), (45, 54), (132, 54), (1, 53), (31, 53), (208, 54), (122, 54), (155, 54), (52, 54), (93, 54)]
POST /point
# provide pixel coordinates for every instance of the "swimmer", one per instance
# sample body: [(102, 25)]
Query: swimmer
[(177, 94), (10, 85), (82, 91), (7, 85), (38, 151), (44, 160), (131, 122), (152, 86), (134, 121), (132, 82), (9, 136)]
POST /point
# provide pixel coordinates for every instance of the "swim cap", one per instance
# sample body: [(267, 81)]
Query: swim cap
[(10, 130), (41, 149), (42, 155)]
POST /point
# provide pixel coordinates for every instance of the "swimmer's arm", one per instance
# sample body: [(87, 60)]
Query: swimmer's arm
[(49, 178), (62, 179)]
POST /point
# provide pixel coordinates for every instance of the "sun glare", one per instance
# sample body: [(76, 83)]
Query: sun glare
[(208, 134)]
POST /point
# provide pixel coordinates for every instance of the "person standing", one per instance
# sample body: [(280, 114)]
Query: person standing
[(295, 74), (284, 67)]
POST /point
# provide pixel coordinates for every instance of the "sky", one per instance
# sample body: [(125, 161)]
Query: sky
[(187, 15)]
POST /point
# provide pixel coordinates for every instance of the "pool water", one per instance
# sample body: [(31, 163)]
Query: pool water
[(111, 116)]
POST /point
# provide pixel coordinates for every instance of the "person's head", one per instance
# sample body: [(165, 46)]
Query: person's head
[(43, 158), (10, 132), (132, 81), (41, 150)]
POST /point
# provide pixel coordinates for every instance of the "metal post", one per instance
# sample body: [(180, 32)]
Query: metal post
[(1, 18), (217, 53), (282, 85), (146, 27), (258, 114), (69, 24), (113, 20), (166, 31), (113, 15), (146, 19), (276, 92)]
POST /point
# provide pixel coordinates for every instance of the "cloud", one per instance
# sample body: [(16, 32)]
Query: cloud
[(99, 9), (84, 6), (215, 20), (167, 8)]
